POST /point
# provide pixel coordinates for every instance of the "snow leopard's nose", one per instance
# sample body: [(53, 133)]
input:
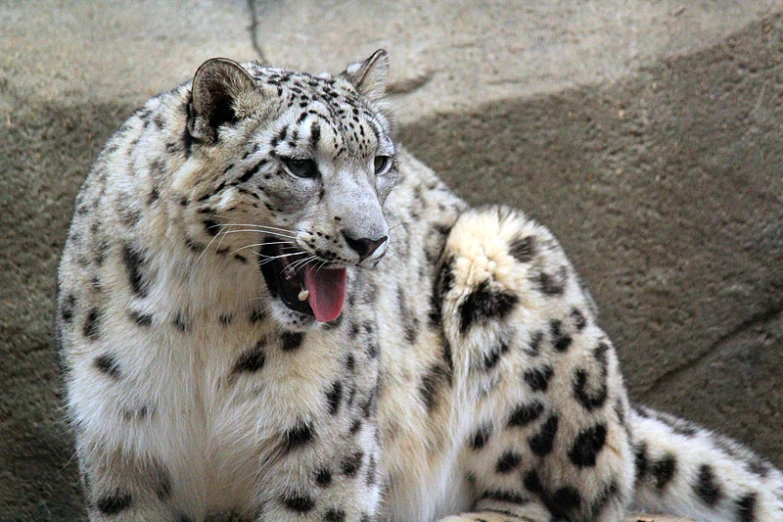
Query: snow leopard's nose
[(364, 246)]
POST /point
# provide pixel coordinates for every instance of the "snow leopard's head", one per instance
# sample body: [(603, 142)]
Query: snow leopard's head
[(292, 173)]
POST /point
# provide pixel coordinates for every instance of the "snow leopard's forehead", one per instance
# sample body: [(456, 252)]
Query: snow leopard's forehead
[(331, 104)]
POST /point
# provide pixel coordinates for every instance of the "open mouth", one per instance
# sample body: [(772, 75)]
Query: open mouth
[(306, 287)]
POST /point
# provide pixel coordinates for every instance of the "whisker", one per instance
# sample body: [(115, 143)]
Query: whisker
[(295, 264), (263, 255), (256, 229), (270, 259), (257, 226), (225, 231), (290, 244), (210, 244), (276, 232), (269, 232), (323, 264), (280, 255), (299, 264), (292, 247), (396, 105), (277, 243), (303, 261), (395, 226)]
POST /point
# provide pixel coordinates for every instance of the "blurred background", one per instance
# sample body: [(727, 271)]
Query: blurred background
[(647, 134)]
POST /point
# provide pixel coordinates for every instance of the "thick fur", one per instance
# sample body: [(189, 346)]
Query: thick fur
[(466, 378)]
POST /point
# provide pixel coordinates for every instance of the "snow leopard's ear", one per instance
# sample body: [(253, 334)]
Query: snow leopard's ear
[(369, 76), (222, 92)]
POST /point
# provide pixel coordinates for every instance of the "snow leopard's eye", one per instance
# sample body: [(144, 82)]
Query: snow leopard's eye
[(382, 164), (301, 168)]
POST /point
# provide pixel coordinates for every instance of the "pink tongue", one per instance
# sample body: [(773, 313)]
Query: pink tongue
[(327, 291)]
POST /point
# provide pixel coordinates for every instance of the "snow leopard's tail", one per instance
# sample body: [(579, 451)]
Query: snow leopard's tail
[(689, 471)]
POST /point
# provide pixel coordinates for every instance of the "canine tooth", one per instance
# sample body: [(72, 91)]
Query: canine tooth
[(304, 294)]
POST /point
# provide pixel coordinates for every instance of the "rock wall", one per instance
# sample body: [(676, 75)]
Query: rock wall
[(646, 135)]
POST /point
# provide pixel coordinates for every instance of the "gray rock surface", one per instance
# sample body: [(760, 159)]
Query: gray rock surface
[(646, 134), (476, 52)]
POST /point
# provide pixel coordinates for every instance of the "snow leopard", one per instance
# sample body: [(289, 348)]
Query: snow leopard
[(268, 310)]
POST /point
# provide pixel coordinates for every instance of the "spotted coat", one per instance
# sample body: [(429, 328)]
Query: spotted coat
[(466, 379)]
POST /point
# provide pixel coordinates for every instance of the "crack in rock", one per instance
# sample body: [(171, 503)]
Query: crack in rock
[(253, 31), (769, 315)]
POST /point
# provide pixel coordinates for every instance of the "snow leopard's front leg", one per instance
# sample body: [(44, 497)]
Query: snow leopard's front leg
[(542, 402), (334, 479), (321, 463)]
